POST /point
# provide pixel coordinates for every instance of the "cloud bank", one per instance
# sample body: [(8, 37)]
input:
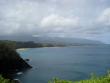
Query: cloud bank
[(56, 18)]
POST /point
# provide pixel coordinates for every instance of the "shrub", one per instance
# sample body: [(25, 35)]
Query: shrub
[(3, 80), (94, 79)]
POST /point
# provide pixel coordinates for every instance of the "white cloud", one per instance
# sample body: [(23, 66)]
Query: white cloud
[(55, 20), (104, 18)]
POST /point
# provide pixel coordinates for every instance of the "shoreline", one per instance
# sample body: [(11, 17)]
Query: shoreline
[(22, 49)]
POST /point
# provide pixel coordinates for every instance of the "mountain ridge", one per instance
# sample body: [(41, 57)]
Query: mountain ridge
[(52, 40)]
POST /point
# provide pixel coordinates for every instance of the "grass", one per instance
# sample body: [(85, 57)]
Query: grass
[(3, 80), (93, 79)]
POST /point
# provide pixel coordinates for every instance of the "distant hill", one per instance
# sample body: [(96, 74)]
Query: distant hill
[(68, 41), (53, 40)]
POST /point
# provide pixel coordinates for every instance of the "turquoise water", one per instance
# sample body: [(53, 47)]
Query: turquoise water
[(70, 63)]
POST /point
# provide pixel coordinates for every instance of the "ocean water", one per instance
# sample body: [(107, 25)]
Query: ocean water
[(69, 63)]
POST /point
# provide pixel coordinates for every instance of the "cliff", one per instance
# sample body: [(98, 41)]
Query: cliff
[(10, 61)]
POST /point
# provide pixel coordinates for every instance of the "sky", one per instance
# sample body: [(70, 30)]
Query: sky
[(88, 19)]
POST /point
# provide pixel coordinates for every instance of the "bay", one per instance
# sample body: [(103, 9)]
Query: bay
[(69, 63)]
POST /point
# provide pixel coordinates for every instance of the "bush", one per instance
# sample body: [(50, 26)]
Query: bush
[(3, 80), (94, 79)]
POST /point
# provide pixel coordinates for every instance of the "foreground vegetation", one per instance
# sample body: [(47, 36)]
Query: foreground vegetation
[(94, 79), (3, 80)]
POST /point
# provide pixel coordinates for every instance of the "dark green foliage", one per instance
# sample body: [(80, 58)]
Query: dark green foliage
[(3, 80), (28, 44), (9, 44)]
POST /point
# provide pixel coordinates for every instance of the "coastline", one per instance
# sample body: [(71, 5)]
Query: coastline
[(22, 49)]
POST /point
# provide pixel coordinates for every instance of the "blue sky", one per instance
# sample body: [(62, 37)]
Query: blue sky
[(88, 19)]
